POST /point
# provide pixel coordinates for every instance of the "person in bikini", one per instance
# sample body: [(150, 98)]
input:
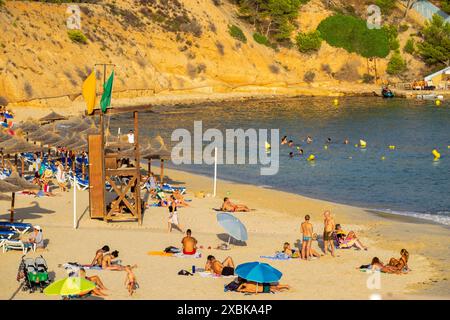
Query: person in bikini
[(328, 230), (397, 266), (107, 261), (225, 268), (253, 287), (307, 230), (95, 279), (228, 206), (99, 256), (348, 240), (189, 243)]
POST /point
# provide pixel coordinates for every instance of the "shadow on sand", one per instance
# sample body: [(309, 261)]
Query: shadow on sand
[(32, 212), (226, 237)]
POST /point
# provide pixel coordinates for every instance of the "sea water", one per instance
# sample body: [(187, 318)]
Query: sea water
[(404, 181)]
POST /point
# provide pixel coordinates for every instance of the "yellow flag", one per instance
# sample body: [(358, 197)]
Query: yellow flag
[(89, 92)]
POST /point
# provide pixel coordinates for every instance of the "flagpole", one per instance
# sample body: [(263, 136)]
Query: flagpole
[(215, 171), (75, 200)]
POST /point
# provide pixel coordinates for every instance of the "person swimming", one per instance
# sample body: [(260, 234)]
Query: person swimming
[(291, 154), (284, 140), (328, 140), (346, 141), (309, 139), (290, 143)]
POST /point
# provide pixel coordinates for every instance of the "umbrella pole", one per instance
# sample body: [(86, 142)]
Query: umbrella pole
[(23, 165), (162, 171), (13, 200), (229, 240), (256, 288)]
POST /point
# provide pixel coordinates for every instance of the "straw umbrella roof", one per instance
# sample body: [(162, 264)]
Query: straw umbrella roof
[(153, 154), (8, 187), (52, 116), (23, 184), (49, 138), (20, 146), (29, 126), (4, 197), (4, 136)]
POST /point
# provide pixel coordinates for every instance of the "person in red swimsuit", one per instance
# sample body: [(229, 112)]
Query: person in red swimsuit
[(189, 243)]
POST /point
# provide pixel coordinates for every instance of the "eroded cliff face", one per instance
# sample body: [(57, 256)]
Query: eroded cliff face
[(159, 46)]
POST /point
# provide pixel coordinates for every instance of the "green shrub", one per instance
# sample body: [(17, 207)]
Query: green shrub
[(352, 34), (386, 6), (261, 39), (445, 6), (308, 42), (77, 36), (392, 34), (403, 28), (435, 47), (396, 65), (409, 46), (237, 33), (2, 3)]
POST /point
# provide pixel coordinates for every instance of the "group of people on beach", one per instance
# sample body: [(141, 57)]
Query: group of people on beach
[(105, 260)]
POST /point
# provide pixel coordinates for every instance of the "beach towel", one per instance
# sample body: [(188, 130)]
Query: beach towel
[(277, 256), (207, 274), (197, 255), (160, 253)]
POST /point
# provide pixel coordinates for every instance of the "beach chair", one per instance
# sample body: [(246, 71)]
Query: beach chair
[(6, 235), (11, 244), (20, 228)]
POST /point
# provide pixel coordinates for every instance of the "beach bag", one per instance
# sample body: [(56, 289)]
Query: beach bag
[(172, 250), (232, 286)]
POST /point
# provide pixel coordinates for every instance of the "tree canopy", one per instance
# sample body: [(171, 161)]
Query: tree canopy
[(435, 47)]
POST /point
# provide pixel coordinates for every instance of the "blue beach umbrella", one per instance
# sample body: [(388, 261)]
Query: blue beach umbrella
[(234, 227), (258, 272)]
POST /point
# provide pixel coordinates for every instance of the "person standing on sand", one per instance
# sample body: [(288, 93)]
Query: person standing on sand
[(328, 230), (307, 230)]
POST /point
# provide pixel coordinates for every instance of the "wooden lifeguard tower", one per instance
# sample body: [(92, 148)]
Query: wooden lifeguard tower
[(103, 169)]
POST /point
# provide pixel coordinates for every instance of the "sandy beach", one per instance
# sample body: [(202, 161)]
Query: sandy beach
[(276, 219)]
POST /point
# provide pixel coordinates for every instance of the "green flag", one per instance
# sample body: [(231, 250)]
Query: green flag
[(105, 102)]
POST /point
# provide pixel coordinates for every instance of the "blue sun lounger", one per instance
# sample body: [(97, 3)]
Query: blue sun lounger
[(15, 226)]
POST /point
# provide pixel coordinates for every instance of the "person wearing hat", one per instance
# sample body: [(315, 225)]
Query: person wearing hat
[(37, 237)]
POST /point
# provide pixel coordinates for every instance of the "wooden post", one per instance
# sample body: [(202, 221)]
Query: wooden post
[(83, 169), (162, 171), (137, 189), (149, 168), (13, 201), (23, 165)]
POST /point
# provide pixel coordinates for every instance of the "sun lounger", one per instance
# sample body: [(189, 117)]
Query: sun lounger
[(10, 244), (19, 227)]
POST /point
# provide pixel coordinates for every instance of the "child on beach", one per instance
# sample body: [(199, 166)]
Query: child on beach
[(130, 280)]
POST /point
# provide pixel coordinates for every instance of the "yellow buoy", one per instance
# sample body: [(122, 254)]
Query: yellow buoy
[(335, 102), (356, 146), (436, 154), (311, 157), (383, 158), (392, 147), (362, 143), (325, 147), (438, 102)]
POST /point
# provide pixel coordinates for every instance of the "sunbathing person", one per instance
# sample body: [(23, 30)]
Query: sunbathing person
[(253, 287), (179, 197), (375, 265), (107, 261), (189, 243), (228, 206), (398, 266), (95, 279), (287, 250), (348, 240), (130, 280), (98, 259), (225, 268)]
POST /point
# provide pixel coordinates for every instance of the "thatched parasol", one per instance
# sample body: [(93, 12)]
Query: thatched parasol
[(15, 180), (49, 138), (4, 197), (4, 136), (14, 146), (29, 126), (52, 116)]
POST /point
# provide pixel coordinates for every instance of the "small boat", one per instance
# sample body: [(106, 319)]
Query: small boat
[(431, 96), (387, 93)]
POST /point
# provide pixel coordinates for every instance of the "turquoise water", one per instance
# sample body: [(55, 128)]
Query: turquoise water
[(407, 182)]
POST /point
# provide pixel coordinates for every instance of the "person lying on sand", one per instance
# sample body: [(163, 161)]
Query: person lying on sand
[(225, 268), (97, 261), (348, 240), (98, 282), (130, 280), (375, 265), (253, 287), (189, 243), (180, 199), (228, 206), (397, 266), (287, 250)]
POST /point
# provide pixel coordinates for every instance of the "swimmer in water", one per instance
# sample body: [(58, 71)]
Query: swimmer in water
[(291, 143), (346, 141), (309, 139), (329, 140), (291, 154), (284, 140), (300, 151)]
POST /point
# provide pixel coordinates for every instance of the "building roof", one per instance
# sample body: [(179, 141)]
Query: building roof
[(431, 76)]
